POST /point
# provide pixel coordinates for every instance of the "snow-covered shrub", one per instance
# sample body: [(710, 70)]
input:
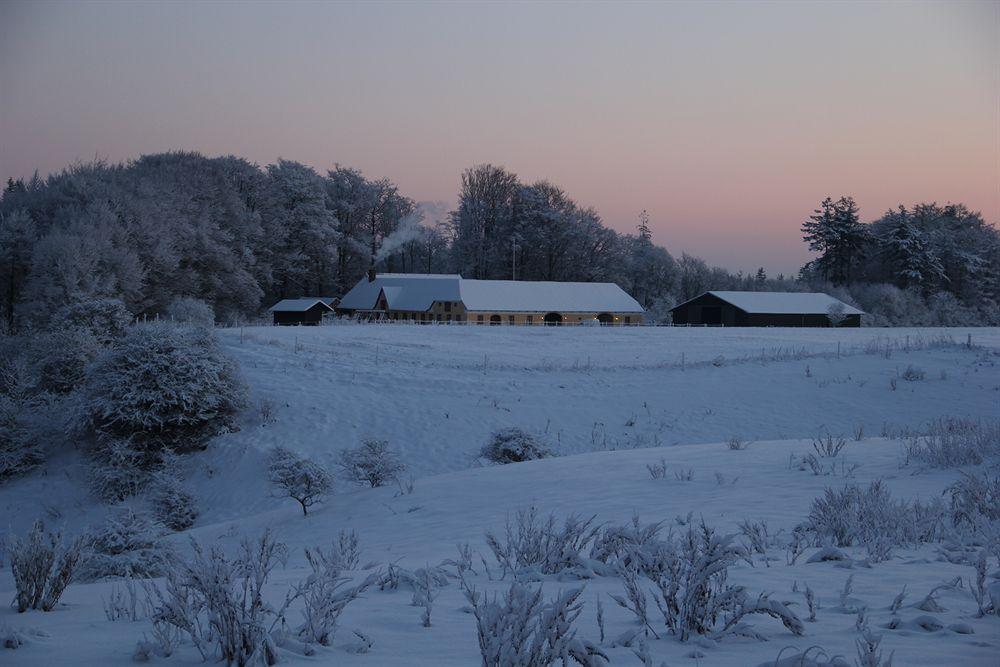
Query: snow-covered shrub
[(116, 470), (299, 478), (952, 442), (191, 311), (123, 603), (630, 545), (162, 387), (692, 592), (913, 374), (514, 445), (61, 357), (325, 596), (127, 544), (42, 564), (975, 499), (174, 505), (531, 545), (104, 319), (523, 629), (218, 601), (371, 463), (873, 519), (828, 447)]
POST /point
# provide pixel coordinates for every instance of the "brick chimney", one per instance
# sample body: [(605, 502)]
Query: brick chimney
[(371, 275)]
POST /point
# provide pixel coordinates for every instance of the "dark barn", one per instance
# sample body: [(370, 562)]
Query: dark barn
[(766, 309), (304, 311)]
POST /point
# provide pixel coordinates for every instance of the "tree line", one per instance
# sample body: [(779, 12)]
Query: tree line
[(239, 237)]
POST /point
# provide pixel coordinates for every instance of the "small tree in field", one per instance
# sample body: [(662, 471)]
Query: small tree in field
[(372, 463), (835, 314), (299, 478)]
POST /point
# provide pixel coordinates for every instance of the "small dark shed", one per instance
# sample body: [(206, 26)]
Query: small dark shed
[(766, 309), (304, 311)]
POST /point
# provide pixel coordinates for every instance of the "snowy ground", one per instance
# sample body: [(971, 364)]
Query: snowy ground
[(437, 392)]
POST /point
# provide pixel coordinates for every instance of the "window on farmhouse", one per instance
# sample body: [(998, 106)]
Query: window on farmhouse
[(510, 319), (479, 318), (447, 306), (529, 318), (628, 320)]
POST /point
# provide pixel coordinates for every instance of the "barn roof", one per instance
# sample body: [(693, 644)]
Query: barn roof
[(539, 296), (417, 292), (403, 291), (780, 303), (297, 305)]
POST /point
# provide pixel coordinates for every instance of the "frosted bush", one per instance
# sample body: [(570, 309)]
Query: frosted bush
[(975, 499), (690, 587), (116, 470), (104, 319), (531, 544), (522, 629), (951, 442), (162, 387), (174, 505), (325, 595), (371, 463), (191, 311), (514, 445), (873, 519), (61, 358), (43, 565), (299, 478), (219, 603), (127, 544)]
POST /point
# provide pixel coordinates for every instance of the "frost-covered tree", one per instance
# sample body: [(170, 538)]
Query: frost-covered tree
[(514, 445), (372, 463), (127, 544), (186, 310), (835, 231), (161, 388), (299, 478), (103, 318)]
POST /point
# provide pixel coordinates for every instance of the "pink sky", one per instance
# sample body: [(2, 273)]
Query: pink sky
[(728, 122)]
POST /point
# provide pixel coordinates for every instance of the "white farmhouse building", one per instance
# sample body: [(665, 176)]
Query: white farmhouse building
[(452, 298)]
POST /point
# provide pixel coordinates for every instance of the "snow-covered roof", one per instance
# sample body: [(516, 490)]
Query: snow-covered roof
[(537, 296), (418, 292), (297, 305), (403, 291), (781, 303)]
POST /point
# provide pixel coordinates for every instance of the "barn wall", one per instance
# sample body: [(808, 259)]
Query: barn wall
[(703, 310)]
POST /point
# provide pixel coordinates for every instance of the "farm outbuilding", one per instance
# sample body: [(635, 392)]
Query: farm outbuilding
[(304, 311), (766, 309), (451, 298)]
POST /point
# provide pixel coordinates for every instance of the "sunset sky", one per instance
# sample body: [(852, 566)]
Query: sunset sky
[(728, 122)]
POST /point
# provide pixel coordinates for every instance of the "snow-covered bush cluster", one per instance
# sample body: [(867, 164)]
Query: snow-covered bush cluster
[(161, 387), (43, 565), (220, 605), (523, 629), (372, 463), (173, 503), (952, 442), (690, 588), (534, 546), (514, 445), (191, 311), (298, 478), (871, 518), (127, 544)]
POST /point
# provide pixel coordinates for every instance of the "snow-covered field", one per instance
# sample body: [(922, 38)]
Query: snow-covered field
[(610, 402)]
